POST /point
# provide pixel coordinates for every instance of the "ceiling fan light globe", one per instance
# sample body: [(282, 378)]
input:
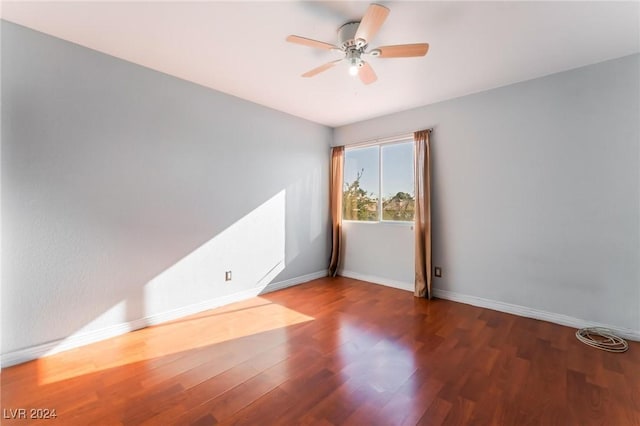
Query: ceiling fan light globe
[(353, 70)]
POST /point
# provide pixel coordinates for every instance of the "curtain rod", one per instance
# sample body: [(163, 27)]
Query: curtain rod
[(379, 141)]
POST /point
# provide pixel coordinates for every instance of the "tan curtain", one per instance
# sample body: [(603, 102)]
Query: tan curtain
[(335, 195), (423, 214)]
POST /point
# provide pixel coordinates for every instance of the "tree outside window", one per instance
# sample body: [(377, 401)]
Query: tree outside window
[(386, 169)]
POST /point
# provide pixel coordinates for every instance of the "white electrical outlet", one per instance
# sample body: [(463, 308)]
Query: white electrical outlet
[(227, 276)]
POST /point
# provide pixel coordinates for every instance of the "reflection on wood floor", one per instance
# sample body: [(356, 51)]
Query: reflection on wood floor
[(331, 352)]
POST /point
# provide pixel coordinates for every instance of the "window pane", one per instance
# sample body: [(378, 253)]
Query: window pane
[(398, 201), (361, 183)]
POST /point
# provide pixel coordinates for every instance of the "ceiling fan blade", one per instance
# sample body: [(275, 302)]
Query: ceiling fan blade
[(371, 23), (321, 68), (403, 50), (366, 74), (310, 42)]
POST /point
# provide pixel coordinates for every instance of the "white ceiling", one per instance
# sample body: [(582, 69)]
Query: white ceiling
[(239, 47)]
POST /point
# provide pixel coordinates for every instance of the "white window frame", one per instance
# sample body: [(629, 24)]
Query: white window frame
[(379, 144)]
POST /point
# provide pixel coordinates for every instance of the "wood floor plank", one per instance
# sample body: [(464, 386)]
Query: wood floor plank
[(334, 351)]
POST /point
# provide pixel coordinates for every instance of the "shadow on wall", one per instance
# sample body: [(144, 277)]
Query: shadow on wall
[(126, 194), (255, 248), (308, 215), (84, 266), (252, 249)]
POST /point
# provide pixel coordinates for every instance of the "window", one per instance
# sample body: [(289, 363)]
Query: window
[(378, 183)]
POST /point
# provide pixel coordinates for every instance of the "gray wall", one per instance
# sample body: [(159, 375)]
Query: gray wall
[(127, 192), (536, 194)]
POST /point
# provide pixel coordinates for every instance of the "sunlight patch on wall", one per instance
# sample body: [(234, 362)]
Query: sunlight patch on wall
[(117, 313), (252, 248)]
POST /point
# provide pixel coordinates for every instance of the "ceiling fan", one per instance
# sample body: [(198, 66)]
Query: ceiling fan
[(353, 40)]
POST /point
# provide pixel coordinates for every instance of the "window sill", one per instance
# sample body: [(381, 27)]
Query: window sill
[(382, 222)]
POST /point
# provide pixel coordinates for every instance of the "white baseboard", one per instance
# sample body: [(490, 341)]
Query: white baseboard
[(496, 305), (525, 311), (50, 348), (401, 285), (75, 341), (294, 281)]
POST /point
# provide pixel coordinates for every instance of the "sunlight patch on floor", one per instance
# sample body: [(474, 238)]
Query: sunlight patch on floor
[(231, 322)]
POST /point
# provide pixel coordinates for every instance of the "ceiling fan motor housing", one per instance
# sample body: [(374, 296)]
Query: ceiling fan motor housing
[(346, 37)]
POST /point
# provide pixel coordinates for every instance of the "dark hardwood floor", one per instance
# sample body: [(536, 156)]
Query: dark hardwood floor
[(334, 352)]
